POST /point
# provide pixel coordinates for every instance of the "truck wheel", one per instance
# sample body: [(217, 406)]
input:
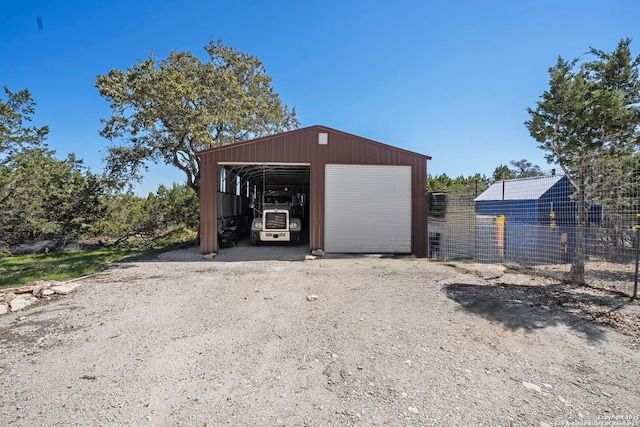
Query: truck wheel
[(253, 241)]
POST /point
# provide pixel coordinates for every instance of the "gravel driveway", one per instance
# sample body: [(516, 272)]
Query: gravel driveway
[(360, 341)]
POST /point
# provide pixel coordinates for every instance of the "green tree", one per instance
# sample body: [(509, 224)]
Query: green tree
[(438, 183), (14, 135), (615, 188), (501, 173), (525, 169), (75, 197), (167, 110), (475, 184), (39, 193), (49, 196), (520, 169), (590, 110), (126, 213), (183, 207), (15, 110), (174, 207), (20, 146)]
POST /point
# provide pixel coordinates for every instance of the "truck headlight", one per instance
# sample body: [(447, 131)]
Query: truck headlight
[(293, 225), (257, 224)]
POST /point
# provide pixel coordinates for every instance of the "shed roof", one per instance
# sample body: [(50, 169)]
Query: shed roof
[(520, 189)]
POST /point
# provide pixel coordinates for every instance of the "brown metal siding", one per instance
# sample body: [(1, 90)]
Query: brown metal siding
[(208, 205), (301, 146)]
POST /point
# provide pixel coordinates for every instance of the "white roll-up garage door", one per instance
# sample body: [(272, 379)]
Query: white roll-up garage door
[(367, 209)]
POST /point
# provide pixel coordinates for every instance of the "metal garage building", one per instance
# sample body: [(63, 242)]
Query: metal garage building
[(363, 196)]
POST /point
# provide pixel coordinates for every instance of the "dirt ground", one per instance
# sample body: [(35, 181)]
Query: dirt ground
[(355, 341)]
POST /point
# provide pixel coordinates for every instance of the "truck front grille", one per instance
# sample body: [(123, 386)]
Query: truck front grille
[(276, 221)]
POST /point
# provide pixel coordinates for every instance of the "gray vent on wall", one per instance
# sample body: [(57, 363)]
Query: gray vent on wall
[(323, 138)]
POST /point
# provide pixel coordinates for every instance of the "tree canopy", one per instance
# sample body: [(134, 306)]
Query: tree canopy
[(166, 110), (17, 109), (42, 195), (525, 169), (501, 173), (520, 169), (39, 193), (591, 110), (475, 184)]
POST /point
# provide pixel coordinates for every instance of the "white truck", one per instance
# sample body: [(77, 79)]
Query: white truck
[(277, 217)]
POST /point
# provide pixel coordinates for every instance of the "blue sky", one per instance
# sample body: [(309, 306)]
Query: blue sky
[(450, 79)]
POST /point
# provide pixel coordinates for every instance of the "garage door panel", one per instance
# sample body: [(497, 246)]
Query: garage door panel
[(367, 208)]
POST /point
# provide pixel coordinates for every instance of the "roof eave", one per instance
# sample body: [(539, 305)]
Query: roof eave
[(305, 129)]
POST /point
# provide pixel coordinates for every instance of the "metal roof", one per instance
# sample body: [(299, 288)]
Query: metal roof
[(276, 175), (520, 189), (293, 133)]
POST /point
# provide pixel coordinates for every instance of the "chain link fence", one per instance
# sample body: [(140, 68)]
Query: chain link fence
[(546, 224)]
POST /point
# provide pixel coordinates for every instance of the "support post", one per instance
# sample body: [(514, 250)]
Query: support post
[(635, 282)]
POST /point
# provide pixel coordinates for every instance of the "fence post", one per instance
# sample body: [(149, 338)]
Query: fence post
[(500, 221), (501, 226), (635, 282)]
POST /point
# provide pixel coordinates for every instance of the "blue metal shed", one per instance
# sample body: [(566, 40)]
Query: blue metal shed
[(527, 220)]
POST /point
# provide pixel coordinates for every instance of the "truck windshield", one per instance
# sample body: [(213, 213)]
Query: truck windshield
[(277, 199)]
